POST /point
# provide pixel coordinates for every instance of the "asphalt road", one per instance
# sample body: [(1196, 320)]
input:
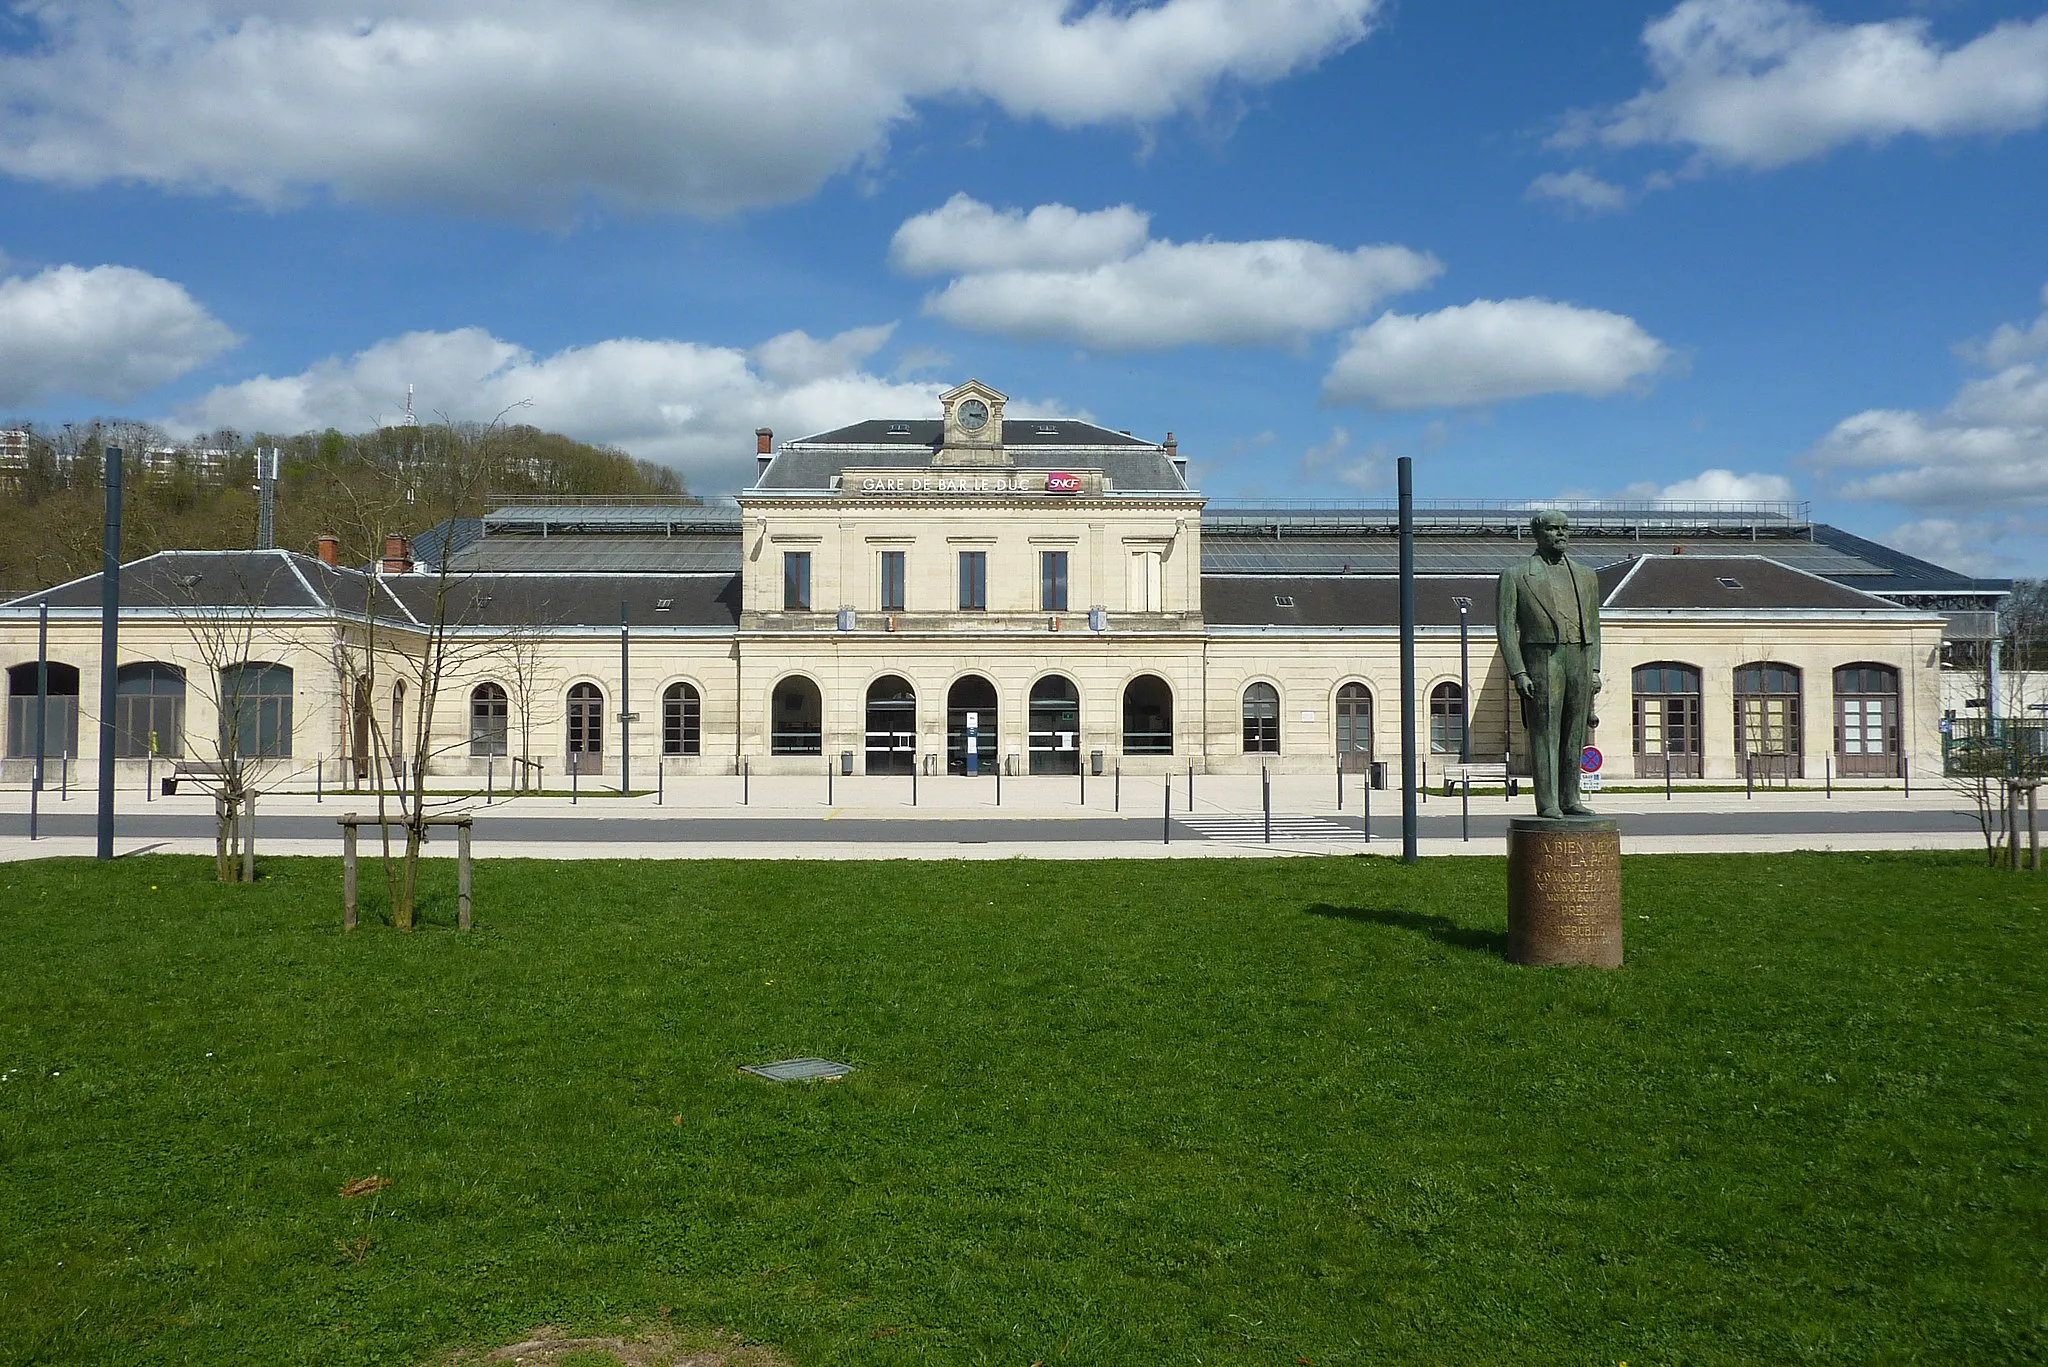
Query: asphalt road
[(781, 830)]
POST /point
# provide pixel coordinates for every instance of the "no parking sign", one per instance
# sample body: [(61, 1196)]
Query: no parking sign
[(1590, 760)]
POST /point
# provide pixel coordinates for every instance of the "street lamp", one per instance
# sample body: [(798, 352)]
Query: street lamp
[(1464, 678)]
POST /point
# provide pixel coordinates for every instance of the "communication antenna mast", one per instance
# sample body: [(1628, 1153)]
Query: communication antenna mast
[(410, 420)]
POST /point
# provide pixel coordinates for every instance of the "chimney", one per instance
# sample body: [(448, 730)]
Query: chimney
[(764, 449), (330, 550), (397, 555), (1180, 467)]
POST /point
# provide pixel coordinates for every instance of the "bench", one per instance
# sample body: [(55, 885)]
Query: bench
[(1456, 774)]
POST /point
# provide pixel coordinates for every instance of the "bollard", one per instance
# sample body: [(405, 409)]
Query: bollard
[(1368, 802), (1906, 773), (64, 792), (1266, 800), (1083, 767), (913, 780), (575, 772), (1191, 785), (746, 776), (828, 782), (2034, 827), (1749, 776), (1423, 791), (1116, 791), (660, 783), (1340, 783), (149, 777), (1166, 811), (1667, 775), (320, 779), (999, 782), (490, 779), (1465, 817)]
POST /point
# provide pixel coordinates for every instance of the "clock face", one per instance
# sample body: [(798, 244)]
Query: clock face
[(974, 415)]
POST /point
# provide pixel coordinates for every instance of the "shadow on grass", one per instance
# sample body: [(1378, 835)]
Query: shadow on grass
[(1441, 929)]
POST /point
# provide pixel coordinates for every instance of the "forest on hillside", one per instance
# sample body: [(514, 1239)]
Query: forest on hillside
[(201, 493)]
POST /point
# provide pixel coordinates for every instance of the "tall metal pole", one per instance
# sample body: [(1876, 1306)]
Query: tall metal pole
[(625, 710), (35, 791), (110, 642), (266, 497), (1465, 683), (1406, 468)]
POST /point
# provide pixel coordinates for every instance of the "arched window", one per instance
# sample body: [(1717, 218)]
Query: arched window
[(973, 742), (1148, 716), (682, 720), (1261, 719), (397, 741), (891, 726), (586, 728), (1354, 728), (1055, 726), (256, 710), (149, 710), (1867, 721), (1667, 720), (1447, 719), (1767, 722), (796, 725), (59, 716), (490, 713)]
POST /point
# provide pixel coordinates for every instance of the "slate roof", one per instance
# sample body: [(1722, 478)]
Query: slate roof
[(577, 600), (609, 554), (183, 580), (1131, 464), (1733, 583)]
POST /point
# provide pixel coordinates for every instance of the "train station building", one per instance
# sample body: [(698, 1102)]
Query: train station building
[(959, 591)]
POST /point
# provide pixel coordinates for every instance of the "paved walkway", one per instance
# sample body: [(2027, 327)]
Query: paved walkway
[(959, 818)]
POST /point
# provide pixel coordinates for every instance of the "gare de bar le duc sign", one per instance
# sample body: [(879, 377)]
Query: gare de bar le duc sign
[(896, 483)]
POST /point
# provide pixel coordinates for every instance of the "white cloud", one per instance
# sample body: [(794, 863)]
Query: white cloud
[(108, 332), (528, 107), (1364, 471), (1578, 189), (1718, 486), (965, 235), (1980, 461), (1119, 291), (683, 404), (1491, 351), (1966, 547), (1763, 83)]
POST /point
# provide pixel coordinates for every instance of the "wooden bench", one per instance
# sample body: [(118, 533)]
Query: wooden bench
[(349, 824)]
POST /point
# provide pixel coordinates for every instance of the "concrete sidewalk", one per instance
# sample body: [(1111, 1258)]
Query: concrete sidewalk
[(793, 819)]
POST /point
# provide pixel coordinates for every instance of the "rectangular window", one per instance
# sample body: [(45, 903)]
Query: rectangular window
[(893, 595), (1146, 581), (974, 580), (1052, 581), (796, 581)]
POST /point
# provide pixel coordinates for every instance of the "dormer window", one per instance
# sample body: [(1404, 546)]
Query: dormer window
[(1728, 583), (899, 429), (664, 604), (1283, 600), (1047, 429)]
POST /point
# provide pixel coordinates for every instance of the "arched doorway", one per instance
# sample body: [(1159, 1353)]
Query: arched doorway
[(1447, 719), (1354, 728), (796, 720), (1767, 722), (1055, 726), (1148, 716), (892, 726), (1867, 721), (1261, 719), (1667, 720), (586, 729), (490, 720), (973, 741)]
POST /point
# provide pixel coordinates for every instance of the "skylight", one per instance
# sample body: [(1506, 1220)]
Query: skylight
[(1283, 600), (1728, 583), (899, 429), (664, 604)]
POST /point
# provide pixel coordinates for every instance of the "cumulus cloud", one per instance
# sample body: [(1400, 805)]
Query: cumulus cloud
[(1491, 351), (1363, 470), (684, 404), (1980, 461), (531, 106), (1578, 189), (965, 235), (1716, 486), (106, 332), (1763, 83), (1056, 274), (1968, 547)]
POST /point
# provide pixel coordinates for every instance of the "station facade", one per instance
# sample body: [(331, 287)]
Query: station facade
[(958, 593)]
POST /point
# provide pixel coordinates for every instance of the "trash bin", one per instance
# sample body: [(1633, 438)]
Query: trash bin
[(1095, 763), (170, 787), (1379, 774), (846, 761)]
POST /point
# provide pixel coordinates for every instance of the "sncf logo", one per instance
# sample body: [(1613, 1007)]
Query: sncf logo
[(1060, 482)]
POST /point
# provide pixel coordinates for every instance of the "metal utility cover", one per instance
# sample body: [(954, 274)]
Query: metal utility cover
[(799, 1070)]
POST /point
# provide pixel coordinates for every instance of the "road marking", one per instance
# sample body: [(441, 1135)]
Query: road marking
[(1253, 828)]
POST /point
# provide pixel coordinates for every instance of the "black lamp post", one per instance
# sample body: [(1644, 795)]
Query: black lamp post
[(1464, 678)]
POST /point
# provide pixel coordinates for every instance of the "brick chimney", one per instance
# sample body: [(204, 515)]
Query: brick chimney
[(1180, 467), (764, 449), (330, 550), (397, 555)]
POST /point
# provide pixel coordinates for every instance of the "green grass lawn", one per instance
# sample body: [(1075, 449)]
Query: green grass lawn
[(1202, 1112)]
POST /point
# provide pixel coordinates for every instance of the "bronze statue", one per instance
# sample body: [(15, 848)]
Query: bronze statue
[(1549, 631)]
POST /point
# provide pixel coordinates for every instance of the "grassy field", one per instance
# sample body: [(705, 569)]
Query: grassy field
[(1204, 1112)]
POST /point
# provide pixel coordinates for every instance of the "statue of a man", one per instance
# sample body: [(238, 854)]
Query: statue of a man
[(1549, 632)]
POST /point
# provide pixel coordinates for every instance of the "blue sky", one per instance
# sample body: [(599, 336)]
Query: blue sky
[(1717, 248)]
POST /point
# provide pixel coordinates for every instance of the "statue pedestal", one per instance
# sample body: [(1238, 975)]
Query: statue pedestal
[(1564, 891)]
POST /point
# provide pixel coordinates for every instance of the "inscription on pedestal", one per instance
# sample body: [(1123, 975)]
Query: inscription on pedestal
[(1564, 892)]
